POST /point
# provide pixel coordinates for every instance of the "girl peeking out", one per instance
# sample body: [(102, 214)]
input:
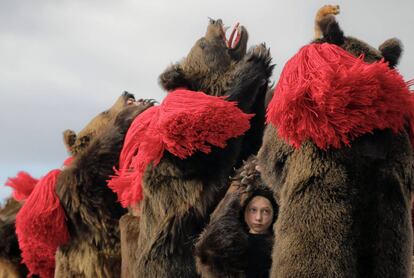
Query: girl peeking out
[(238, 240)]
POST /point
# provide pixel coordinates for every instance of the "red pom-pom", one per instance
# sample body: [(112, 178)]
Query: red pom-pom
[(41, 227), (330, 97), (22, 185), (184, 123)]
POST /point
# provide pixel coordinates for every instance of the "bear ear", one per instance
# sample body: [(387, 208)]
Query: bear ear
[(69, 138), (391, 50), (81, 144), (173, 77), (331, 31)]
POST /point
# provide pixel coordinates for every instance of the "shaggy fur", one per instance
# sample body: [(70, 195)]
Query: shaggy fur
[(9, 209), (210, 67), (343, 212), (321, 14), (10, 255), (221, 248), (8, 270), (76, 143), (91, 207), (390, 50), (180, 194), (129, 233)]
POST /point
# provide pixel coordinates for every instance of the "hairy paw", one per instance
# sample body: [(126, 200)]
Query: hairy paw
[(261, 58), (146, 103)]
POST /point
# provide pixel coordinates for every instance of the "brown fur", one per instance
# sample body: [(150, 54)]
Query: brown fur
[(8, 270), (343, 213), (180, 194), (91, 207), (76, 143), (412, 261), (321, 14), (210, 67), (10, 255), (390, 50), (9, 210), (129, 229), (221, 250)]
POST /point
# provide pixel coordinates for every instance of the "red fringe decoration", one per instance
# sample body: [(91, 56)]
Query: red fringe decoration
[(68, 161), (328, 96), (22, 185), (184, 123), (41, 227)]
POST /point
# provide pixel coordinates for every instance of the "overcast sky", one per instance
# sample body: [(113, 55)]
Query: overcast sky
[(62, 62)]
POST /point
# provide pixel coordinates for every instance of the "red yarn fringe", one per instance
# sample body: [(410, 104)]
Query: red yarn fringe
[(22, 185), (184, 123), (328, 96), (41, 227), (68, 161)]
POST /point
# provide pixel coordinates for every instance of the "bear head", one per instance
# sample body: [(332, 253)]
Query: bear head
[(330, 197), (390, 50), (210, 60), (75, 143)]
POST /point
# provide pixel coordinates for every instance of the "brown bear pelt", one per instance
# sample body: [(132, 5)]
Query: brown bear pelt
[(221, 250), (343, 212), (129, 228), (78, 142), (10, 255), (179, 195), (390, 50), (210, 67), (91, 207)]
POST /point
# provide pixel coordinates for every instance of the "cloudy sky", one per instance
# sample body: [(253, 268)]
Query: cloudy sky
[(62, 62)]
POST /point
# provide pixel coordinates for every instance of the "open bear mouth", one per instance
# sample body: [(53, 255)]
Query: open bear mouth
[(235, 36), (128, 98)]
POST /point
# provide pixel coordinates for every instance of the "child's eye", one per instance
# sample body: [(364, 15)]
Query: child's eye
[(266, 211)]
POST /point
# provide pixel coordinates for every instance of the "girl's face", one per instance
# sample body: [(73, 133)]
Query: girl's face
[(259, 215)]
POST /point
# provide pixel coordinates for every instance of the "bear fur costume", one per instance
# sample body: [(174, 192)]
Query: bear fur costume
[(11, 264), (221, 250), (90, 206), (343, 212), (23, 184), (210, 67), (76, 143), (10, 254), (179, 195)]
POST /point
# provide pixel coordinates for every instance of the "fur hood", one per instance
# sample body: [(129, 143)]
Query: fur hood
[(221, 250)]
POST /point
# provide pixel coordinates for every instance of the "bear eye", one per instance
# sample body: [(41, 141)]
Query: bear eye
[(202, 43)]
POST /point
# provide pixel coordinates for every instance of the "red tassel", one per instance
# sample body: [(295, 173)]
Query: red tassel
[(41, 227), (328, 96), (184, 123), (68, 161), (22, 185)]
